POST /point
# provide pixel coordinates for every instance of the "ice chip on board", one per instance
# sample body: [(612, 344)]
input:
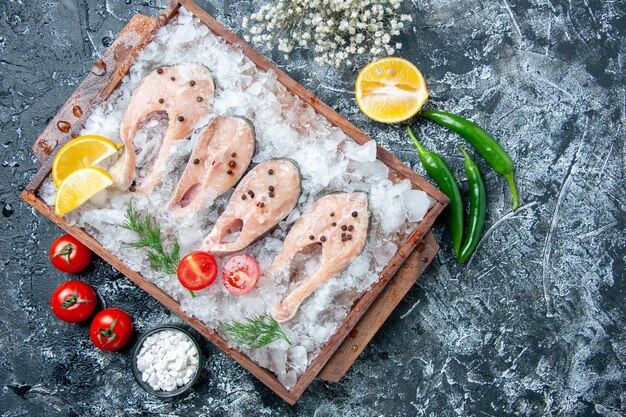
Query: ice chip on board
[(416, 204), (360, 153)]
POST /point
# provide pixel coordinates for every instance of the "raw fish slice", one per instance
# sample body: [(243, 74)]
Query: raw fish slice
[(220, 157), (183, 94), (263, 198), (337, 222)]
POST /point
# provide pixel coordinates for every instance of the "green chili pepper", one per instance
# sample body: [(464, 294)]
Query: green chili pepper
[(483, 142), (477, 209), (438, 169)]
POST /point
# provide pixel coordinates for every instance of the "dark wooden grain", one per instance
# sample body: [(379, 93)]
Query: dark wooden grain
[(101, 92)]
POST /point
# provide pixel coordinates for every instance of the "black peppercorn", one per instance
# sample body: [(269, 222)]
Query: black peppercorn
[(199, 99), (312, 237), (243, 196), (229, 171), (192, 83), (181, 118), (271, 172), (344, 227), (271, 194), (161, 100), (196, 161), (173, 78), (350, 228), (159, 70), (234, 154), (354, 214), (271, 188), (333, 224), (332, 214), (349, 237), (323, 239)]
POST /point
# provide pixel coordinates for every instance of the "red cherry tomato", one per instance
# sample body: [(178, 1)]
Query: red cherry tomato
[(197, 270), (67, 254), (111, 329), (241, 274), (73, 301)]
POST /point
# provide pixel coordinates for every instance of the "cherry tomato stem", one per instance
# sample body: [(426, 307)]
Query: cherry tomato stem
[(67, 254), (111, 329), (73, 301)]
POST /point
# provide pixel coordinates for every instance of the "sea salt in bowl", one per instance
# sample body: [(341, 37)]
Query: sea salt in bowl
[(183, 335)]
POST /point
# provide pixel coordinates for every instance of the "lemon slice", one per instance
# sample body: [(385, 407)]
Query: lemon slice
[(79, 187), (390, 90), (79, 153)]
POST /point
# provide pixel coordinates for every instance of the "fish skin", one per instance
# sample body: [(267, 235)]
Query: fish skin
[(202, 183), (180, 98), (255, 221), (336, 254)]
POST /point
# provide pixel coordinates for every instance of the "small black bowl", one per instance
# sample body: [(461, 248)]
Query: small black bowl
[(137, 373)]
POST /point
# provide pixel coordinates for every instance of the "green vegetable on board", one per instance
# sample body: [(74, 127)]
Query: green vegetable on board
[(150, 238), (255, 331)]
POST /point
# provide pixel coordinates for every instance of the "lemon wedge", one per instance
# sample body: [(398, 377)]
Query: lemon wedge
[(84, 151), (80, 186), (390, 90)]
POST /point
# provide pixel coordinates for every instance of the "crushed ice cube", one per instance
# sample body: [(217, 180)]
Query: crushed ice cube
[(383, 253), (361, 153), (416, 204)]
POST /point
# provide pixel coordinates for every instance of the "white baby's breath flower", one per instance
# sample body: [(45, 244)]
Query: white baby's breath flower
[(336, 30)]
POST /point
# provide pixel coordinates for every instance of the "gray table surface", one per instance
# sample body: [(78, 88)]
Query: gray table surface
[(533, 325)]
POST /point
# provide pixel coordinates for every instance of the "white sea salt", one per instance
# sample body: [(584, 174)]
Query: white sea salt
[(167, 360), (285, 127)]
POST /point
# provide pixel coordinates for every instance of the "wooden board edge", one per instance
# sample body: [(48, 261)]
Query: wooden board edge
[(367, 327)]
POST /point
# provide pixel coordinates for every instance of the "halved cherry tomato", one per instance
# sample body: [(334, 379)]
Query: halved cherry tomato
[(197, 270), (67, 254), (73, 301), (111, 329), (241, 274)]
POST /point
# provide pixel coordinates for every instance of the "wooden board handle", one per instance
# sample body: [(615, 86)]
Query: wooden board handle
[(70, 118)]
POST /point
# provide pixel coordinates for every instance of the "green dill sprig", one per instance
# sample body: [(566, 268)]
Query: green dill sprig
[(149, 233), (255, 331)]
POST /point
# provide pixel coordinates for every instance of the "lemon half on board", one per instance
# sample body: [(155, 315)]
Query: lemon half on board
[(390, 90), (84, 151), (79, 187)]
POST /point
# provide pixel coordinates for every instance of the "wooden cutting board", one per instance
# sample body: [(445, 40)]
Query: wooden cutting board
[(380, 310), (368, 313)]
